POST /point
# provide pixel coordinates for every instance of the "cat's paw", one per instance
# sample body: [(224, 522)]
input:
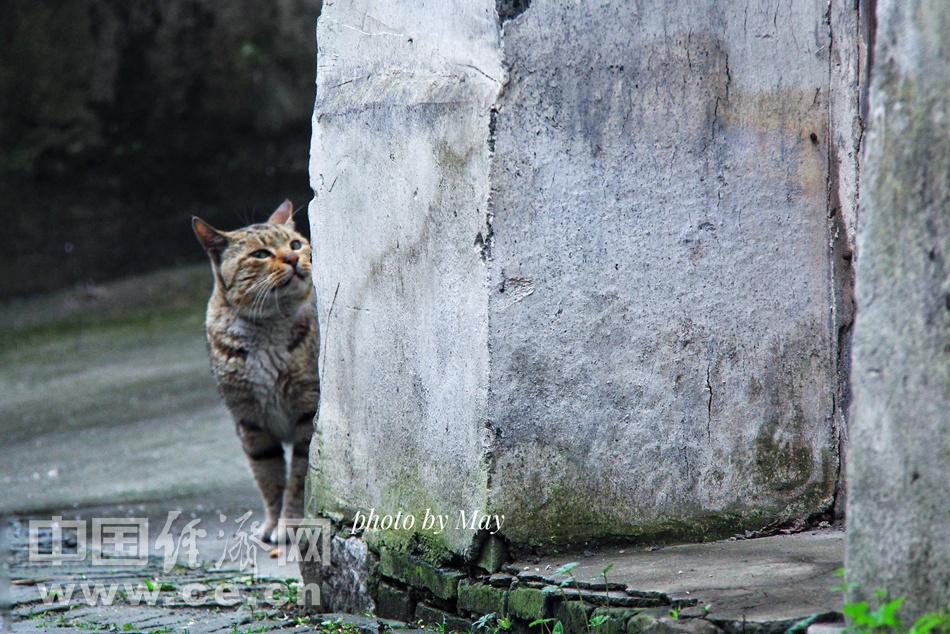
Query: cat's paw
[(268, 531), (279, 536)]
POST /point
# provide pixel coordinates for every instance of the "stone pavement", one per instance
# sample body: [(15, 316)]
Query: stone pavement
[(776, 581), (766, 585), (232, 584)]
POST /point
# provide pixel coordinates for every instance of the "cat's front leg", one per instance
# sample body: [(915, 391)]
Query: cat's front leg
[(293, 494), (266, 457)]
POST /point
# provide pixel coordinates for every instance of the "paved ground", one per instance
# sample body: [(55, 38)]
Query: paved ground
[(785, 578), (107, 410), (232, 584), (106, 396)]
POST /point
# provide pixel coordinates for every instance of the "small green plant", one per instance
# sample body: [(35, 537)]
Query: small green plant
[(601, 619), (490, 624), (291, 590), (675, 612), (558, 627), (483, 622), (567, 569), (597, 621), (493, 625), (590, 622), (884, 619), (96, 627), (152, 584), (603, 573), (341, 627), (260, 629), (546, 625)]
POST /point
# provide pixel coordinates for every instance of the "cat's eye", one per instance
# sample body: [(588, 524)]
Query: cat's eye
[(261, 253), (295, 245)]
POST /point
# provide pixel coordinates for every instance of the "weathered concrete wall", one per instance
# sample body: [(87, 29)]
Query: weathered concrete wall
[(400, 166), (575, 267), (899, 509), (657, 189)]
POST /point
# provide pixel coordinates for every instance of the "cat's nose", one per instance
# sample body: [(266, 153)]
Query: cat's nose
[(291, 258)]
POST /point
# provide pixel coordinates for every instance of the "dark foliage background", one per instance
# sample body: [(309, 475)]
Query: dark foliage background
[(120, 119)]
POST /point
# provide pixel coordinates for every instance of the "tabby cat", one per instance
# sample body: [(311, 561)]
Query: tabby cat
[(263, 340)]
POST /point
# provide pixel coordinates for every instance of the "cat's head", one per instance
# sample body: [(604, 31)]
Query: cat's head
[(262, 270)]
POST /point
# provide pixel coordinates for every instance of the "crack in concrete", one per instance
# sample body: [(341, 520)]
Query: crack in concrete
[(709, 406), (480, 71), (370, 33)]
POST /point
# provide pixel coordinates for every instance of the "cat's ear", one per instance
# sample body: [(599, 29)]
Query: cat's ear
[(283, 214), (211, 239)]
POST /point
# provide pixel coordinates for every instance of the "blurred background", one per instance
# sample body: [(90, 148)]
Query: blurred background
[(119, 120)]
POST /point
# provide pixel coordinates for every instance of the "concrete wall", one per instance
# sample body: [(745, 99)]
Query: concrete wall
[(577, 267), (400, 166), (656, 186), (899, 509)]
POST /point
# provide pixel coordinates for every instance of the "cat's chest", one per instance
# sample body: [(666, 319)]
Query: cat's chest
[(264, 368), (256, 381), (268, 362), (267, 372)]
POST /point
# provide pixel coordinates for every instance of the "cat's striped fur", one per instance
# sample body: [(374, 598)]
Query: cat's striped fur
[(263, 341)]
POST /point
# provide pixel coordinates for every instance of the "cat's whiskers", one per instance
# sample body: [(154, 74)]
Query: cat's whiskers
[(254, 287), (278, 275), (277, 304), (262, 296), (260, 288), (256, 311)]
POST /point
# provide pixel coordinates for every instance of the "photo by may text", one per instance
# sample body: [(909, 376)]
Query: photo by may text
[(434, 523)]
